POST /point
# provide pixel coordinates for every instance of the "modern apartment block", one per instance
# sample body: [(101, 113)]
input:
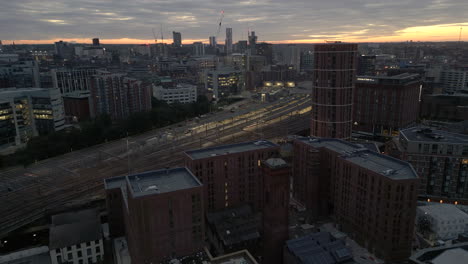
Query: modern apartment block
[(276, 173), (231, 174), (371, 196), (334, 74), (29, 112), (118, 95), (385, 104), (75, 80), (162, 213), (439, 157), (182, 93)]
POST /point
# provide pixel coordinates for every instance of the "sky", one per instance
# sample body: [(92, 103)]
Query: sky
[(276, 21)]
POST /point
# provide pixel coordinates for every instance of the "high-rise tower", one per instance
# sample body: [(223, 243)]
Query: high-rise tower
[(332, 90), (228, 43), (177, 39)]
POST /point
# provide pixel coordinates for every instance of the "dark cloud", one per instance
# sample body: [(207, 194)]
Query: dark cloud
[(197, 19)]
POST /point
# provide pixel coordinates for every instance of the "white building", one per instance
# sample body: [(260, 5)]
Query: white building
[(76, 237), (28, 112), (447, 221), (183, 93)]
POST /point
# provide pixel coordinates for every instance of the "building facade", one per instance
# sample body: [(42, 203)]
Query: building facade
[(29, 112), (447, 222), (224, 82), (439, 157), (169, 202), (275, 220), (385, 104), (372, 197), (118, 95), (74, 80), (182, 93), (177, 39), (228, 43), (334, 75), (231, 174)]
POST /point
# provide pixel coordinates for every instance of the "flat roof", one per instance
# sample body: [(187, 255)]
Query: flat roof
[(161, 181), (229, 149), (239, 257), (385, 165), (443, 211), (276, 163), (425, 134)]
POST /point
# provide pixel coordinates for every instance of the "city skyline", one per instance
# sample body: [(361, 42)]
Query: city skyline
[(275, 21)]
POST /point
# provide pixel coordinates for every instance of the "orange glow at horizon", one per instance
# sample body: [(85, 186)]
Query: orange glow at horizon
[(442, 32)]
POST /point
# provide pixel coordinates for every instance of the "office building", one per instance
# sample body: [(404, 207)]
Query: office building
[(228, 43), (366, 65), (23, 73), (252, 43), (319, 247), (275, 220), (332, 90), (385, 104), (118, 95), (64, 50), (371, 196), (169, 202), (231, 174), (445, 107), (198, 49), (28, 112), (75, 80), (307, 61), (454, 80), (96, 42), (224, 82), (176, 39), (242, 46), (446, 221), (182, 93), (439, 157), (213, 41), (266, 50), (76, 106), (76, 237)]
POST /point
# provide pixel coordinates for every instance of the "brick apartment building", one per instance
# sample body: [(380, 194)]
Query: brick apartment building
[(162, 213), (332, 90), (385, 104), (372, 197), (439, 157), (231, 174), (118, 95), (276, 173)]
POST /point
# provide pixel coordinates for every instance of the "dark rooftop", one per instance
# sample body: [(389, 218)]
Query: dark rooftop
[(425, 134), (319, 248), (230, 149), (379, 163), (74, 228), (235, 225), (276, 163), (155, 182)]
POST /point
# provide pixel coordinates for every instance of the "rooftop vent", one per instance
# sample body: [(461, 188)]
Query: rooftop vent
[(389, 172), (151, 188)]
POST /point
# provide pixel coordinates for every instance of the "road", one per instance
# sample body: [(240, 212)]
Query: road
[(27, 194)]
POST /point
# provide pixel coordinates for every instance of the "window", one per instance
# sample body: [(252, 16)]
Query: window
[(80, 253), (70, 256), (88, 252), (98, 249), (90, 260)]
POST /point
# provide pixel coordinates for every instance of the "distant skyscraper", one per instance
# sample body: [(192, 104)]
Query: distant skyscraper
[(177, 39), (253, 43), (242, 46), (228, 40), (198, 49), (212, 41), (332, 90), (95, 41)]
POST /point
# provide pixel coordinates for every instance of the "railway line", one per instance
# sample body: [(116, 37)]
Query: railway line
[(48, 185)]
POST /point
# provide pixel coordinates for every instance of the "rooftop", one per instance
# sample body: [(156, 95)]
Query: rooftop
[(239, 257), (235, 225), (74, 228), (425, 134), (230, 149), (319, 248), (443, 211), (276, 163), (371, 160), (404, 78), (161, 181)]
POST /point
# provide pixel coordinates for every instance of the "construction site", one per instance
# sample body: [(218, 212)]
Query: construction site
[(34, 192)]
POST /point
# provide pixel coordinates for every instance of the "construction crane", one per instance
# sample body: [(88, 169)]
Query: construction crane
[(459, 36), (155, 38), (219, 23)]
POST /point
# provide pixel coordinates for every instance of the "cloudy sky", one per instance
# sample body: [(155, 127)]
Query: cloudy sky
[(301, 21)]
